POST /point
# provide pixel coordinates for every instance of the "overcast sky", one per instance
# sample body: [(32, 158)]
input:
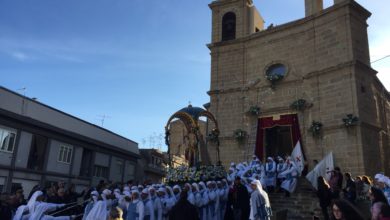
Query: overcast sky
[(135, 61)]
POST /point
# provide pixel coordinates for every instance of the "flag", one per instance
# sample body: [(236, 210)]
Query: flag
[(321, 169), (297, 156)]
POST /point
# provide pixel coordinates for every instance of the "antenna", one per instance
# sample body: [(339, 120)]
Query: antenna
[(23, 90), (103, 118)]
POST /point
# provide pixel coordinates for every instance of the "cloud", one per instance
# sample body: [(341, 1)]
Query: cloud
[(20, 56)]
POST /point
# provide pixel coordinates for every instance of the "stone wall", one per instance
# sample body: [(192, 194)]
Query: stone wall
[(328, 61)]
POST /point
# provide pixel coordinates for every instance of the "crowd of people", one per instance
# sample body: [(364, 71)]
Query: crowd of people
[(342, 197), (239, 194)]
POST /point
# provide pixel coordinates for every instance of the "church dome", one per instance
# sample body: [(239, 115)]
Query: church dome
[(194, 112)]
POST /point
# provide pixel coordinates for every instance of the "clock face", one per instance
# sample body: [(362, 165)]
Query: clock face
[(276, 70)]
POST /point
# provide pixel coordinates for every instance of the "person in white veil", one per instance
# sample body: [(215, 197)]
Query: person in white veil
[(213, 201), (98, 212), (91, 204), (176, 192), (197, 196), (204, 200), (259, 202), (171, 197), (270, 174), (157, 205), (39, 208), (148, 205), (291, 174), (27, 208)]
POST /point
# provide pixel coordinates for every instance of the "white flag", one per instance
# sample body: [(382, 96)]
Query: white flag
[(321, 169), (297, 156)]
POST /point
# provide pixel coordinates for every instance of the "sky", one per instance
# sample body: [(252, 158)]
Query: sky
[(134, 61)]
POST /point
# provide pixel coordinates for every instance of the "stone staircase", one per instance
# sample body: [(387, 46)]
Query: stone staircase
[(301, 205)]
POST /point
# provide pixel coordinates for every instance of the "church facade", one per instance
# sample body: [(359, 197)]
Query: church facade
[(308, 80)]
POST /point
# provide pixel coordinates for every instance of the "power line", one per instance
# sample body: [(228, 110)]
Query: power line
[(380, 59)]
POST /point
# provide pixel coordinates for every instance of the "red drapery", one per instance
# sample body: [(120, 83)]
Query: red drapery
[(269, 122)]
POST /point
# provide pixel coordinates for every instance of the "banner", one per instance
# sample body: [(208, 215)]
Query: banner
[(297, 156), (321, 169)]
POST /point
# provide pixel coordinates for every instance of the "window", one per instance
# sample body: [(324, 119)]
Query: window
[(277, 70), (65, 154), (229, 26), (37, 154), (7, 140), (100, 171), (119, 166), (86, 168)]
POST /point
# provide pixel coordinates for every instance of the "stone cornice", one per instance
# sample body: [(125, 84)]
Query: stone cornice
[(361, 10)]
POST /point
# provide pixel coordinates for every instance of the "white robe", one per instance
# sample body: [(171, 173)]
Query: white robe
[(157, 207), (42, 207), (213, 205), (148, 209), (270, 174), (98, 212), (255, 202), (291, 180), (203, 204)]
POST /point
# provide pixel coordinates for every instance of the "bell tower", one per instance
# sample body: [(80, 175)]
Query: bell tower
[(233, 19)]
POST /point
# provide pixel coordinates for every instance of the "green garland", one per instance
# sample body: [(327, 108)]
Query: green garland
[(315, 128), (254, 110), (350, 120), (298, 105)]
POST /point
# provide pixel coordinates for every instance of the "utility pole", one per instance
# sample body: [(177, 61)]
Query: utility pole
[(103, 118)]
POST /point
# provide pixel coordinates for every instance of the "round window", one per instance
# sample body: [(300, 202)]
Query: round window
[(276, 71)]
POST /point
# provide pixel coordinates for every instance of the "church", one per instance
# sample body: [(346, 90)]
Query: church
[(308, 81)]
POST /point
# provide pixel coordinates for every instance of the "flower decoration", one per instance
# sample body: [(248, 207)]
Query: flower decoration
[(350, 120), (240, 135), (254, 110), (184, 174), (299, 105), (315, 128)]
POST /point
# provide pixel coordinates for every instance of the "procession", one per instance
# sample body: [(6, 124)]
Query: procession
[(240, 194), (194, 110)]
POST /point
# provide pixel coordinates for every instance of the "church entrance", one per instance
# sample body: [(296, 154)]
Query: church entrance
[(278, 141), (277, 135)]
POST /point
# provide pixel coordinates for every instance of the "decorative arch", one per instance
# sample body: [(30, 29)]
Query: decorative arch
[(190, 117), (229, 26)]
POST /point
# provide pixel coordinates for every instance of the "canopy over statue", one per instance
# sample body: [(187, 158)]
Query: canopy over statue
[(196, 152)]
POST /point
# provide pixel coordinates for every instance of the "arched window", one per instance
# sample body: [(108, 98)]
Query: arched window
[(229, 26)]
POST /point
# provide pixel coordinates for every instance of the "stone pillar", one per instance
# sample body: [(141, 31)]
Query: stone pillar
[(314, 6)]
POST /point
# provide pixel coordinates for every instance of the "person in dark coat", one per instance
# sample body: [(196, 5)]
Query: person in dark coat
[(336, 182), (183, 209), (324, 195), (239, 198), (59, 198), (350, 188)]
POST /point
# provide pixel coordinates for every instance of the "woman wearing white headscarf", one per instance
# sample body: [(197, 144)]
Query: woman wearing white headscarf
[(176, 192), (213, 201), (89, 206), (197, 196), (29, 207), (270, 173), (204, 200), (148, 205), (39, 208), (98, 212), (291, 174), (171, 199), (259, 201), (157, 205)]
